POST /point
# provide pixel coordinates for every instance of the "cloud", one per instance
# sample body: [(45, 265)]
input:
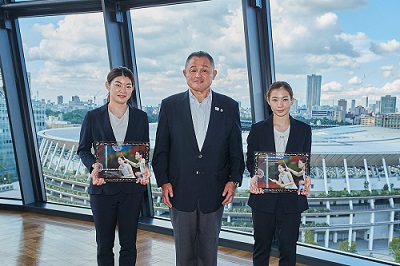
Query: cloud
[(391, 88), (391, 47), (71, 57), (313, 31), (333, 91), (327, 20), (354, 81), (332, 87), (163, 45), (329, 91), (75, 39), (387, 71), (309, 36)]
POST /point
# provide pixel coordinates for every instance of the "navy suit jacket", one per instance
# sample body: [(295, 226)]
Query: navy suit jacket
[(198, 177), (261, 139), (97, 127)]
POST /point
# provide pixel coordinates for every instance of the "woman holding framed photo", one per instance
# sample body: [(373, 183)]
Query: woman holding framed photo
[(277, 214)]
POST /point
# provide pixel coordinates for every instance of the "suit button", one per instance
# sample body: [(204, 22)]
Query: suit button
[(197, 172), (200, 156)]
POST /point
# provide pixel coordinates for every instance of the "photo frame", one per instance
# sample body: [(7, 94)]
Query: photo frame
[(122, 162), (279, 172)]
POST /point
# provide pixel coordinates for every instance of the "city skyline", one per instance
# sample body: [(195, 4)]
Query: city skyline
[(339, 103), (355, 57)]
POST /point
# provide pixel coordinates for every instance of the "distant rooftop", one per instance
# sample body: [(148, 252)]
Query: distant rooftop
[(356, 143)]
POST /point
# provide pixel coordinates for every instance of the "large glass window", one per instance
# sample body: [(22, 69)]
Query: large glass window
[(164, 37), (67, 64), (9, 184), (341, 59)]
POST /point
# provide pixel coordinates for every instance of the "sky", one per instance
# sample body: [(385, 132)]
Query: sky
[(354, 45)]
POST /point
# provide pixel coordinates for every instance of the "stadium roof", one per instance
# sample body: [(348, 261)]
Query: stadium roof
[(353, 143), (356, 143)]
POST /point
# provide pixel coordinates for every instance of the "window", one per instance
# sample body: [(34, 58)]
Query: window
[(342, 62), (67, 64), (340, 58), (164, 37)]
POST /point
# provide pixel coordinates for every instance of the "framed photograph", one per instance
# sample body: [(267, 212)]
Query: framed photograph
[(281, 172), (122, 162)]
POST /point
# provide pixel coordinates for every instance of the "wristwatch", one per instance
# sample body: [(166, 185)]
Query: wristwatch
[(235, 183)]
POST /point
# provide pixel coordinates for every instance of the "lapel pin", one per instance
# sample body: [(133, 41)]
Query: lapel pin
[(221, 110), (216, 108)]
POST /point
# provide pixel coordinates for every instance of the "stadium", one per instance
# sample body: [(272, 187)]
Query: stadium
[(355, 172)]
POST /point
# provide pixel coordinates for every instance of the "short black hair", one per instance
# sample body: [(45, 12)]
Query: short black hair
[(200, 54)]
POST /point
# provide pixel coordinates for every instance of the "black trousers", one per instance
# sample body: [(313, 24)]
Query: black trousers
[(267, 226), (109, 211), (196, 236)]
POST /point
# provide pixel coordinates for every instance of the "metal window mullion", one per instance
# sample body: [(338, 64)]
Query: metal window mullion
[(20, 113), (260, 57)]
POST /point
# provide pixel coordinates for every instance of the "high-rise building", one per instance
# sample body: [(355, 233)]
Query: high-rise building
[(388, 104), (295, 106), (353, 105), (377, 106), (39, 113), (365, 102), (313, 90), (75, 99), (8, 166), (343, 104), (360, 110), (388, 120), (60, 99)]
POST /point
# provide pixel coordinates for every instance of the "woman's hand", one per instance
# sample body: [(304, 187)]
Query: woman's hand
[(146, 177), (307, 186), (96, 180), (254, 189)]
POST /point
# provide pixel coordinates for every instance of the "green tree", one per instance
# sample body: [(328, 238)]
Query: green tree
[(75, 117), (52, 113), (5, 176), (309, 238), (344, 246), (394, 248)]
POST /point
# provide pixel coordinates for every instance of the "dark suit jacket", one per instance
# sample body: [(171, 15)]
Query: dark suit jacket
[(261, 138), (198, 177), (97, 127)]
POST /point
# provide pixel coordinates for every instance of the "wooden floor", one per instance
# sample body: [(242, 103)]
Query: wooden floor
[(29, 239)]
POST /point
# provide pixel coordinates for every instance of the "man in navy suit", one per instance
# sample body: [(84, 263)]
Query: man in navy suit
[(198, 161)]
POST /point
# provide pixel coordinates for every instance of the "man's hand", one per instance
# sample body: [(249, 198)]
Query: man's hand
[(96, 180), (167, 193), (229, 192)]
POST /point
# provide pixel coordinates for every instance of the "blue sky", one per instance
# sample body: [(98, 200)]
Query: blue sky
[(379, 19), (354, 45), (335, 39)]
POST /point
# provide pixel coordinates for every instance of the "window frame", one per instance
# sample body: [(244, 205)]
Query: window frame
[(120, 45)]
